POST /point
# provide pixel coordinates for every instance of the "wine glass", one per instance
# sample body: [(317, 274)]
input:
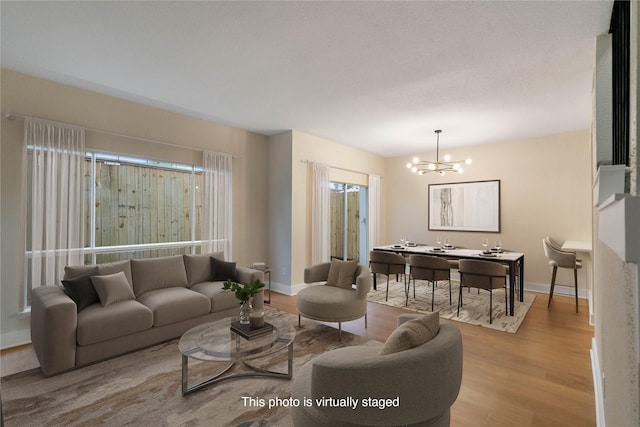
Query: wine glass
[(485, 243), (447, 243), (499, 245), (439, 240)]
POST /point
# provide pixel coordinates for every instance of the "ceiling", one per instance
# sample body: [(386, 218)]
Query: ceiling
[(380, 76)]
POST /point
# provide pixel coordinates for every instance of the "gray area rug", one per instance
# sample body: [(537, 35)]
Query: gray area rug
[(144, 388), (474, 310)]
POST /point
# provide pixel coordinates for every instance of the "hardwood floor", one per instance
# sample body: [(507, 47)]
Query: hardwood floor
[(540, 376)]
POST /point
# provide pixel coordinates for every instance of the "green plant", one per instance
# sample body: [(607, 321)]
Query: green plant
[(243, 291)]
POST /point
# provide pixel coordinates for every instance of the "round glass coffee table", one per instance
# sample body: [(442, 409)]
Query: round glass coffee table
[(217, 342)]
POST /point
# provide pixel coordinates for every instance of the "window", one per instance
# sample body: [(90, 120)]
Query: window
[(133, 208), (140, 208), (349, 222)]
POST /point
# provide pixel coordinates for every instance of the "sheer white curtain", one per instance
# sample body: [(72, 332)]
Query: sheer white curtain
[(321, 214), (374, 211), (54, 166), (217, 203)]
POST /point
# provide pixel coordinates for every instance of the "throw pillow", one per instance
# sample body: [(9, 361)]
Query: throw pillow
[(112, 288), (81, 290), (341, 273), (223, 270), (412, 333)]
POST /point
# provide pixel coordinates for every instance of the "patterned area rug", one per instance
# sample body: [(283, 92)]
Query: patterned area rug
[(474, 310), (144, 389)]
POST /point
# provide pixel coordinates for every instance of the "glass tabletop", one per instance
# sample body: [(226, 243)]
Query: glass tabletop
[(216, 341)]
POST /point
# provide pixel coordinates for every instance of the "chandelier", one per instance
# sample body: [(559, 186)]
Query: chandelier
[(422, 167)]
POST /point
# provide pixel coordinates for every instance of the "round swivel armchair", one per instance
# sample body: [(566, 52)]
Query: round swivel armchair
[(337, 300), (419, 383)]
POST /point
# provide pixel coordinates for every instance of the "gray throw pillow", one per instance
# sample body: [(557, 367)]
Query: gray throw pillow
[(412, 333), (112, 288), (341, 273), (81, 290), (222, 270)]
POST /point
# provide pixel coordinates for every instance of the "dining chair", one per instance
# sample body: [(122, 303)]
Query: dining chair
[(563, 259), (388, 263), (486, 275), (431, 269)]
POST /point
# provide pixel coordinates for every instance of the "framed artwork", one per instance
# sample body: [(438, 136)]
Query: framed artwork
[(465, 206)]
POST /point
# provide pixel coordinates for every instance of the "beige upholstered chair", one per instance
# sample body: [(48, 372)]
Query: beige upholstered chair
[(563, 259), (388, 263), (430, 268), (487, 275), (426, 379), (329, 303)]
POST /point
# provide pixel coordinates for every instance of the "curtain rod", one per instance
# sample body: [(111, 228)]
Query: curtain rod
[(339, 168), (12, 116)]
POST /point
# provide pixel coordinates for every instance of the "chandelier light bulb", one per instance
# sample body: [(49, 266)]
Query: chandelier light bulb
[(416, 160), (414, 169), (432, 166), (447, 158), (468, 161), (409, 165), (456, 166), (460, 170)]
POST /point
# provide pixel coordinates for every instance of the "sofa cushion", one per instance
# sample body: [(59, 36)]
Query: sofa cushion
[(112, 288), (199, 267), (171, 305), (222, 270), (341, 273), (219, 300), (158, 273), (103, 269), (81, 290), (97, 323), (412, 333)]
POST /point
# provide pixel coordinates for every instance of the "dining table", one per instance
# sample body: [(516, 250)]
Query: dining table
[(515, 261)]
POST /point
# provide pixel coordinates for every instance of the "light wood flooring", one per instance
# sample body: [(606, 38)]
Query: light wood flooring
[(540, 376)]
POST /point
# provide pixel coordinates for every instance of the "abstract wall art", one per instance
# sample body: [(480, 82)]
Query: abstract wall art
[(465, 206)]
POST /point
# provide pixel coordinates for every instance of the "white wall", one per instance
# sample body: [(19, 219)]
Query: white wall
[(30, 96), (280, 211), (291, 244), (544, 190)]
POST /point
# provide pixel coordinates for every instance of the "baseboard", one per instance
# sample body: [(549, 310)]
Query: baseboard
[(592, 313), (289, 290), (598, 385), (558, 290), (545, 288)]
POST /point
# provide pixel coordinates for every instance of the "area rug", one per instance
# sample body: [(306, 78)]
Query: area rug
[(474, 310), (144, 389)]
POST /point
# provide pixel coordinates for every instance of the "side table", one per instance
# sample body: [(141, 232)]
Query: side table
[(266, 271)]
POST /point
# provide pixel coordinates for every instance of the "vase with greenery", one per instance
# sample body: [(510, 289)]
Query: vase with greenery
[(244, 293)]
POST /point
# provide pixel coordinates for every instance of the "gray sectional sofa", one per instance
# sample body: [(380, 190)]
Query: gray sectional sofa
[(137, 303)]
